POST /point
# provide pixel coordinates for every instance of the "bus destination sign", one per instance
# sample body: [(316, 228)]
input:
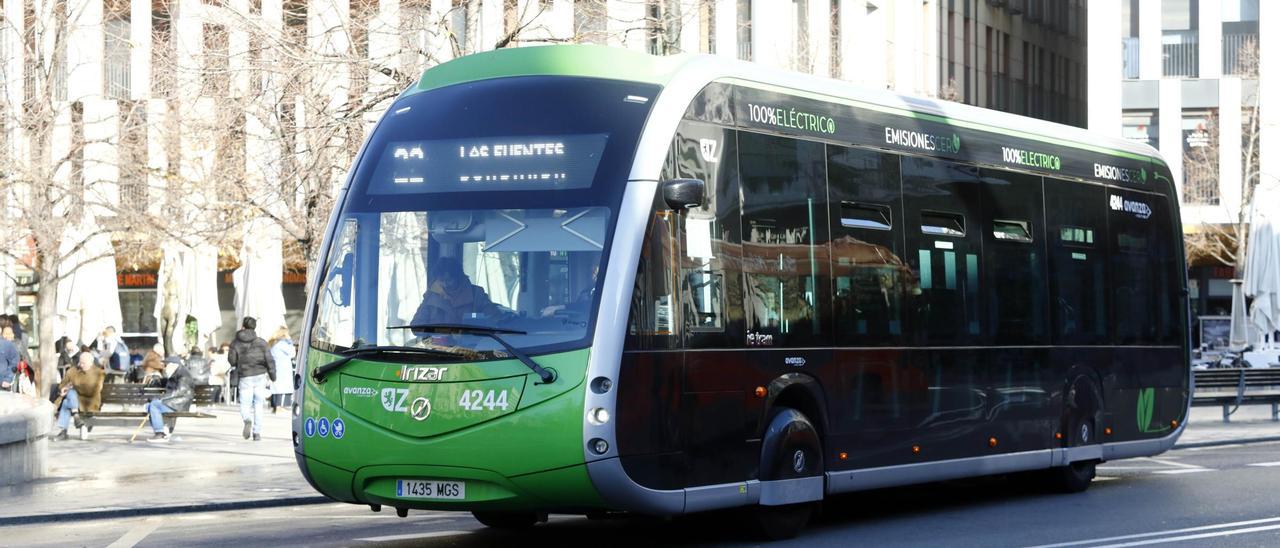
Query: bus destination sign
[(495, 163)]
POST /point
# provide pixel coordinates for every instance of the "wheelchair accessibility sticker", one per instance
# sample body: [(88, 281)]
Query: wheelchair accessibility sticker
[(324, 427)]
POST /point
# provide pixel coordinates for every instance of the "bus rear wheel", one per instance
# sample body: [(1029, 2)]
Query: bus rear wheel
[(508, 520), (1072, 478), (792, 450)]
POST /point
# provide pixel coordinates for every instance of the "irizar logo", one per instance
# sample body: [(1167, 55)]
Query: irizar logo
[(1137, 209), (922, 140), (393, 399), (710, 150), (421, 374), (1124, 175)]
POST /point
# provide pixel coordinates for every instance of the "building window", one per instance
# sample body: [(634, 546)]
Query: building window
[(1142, 126), (217, 68), (589, 20), (1200, 157), (133, 155), (707, 26), (115, 52), (836, 37), (744, 30), (1180, 40)]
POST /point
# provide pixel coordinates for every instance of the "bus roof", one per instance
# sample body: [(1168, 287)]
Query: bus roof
[(622, 64)]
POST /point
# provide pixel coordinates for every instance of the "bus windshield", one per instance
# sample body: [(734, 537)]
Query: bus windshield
[(471, 209), (527, 270)]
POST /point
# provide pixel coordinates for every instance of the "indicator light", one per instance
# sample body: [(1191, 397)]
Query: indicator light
[(915, 449), (1107, 430), (992, 442), (601, 385), (599, 446), (1173, 423), (1057, 435), (761, 391), (844, 456)]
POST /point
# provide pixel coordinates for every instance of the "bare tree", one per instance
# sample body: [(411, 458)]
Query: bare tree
[(1226, 243)]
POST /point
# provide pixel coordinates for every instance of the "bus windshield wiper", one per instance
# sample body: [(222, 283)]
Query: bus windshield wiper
[(547, 375), (364, 351)]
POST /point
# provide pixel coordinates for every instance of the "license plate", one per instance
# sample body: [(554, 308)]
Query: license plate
[(431, 489)]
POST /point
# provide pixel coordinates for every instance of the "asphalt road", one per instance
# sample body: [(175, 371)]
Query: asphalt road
[(1220, 496)]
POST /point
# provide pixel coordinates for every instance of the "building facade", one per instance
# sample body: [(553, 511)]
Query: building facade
[(1187, 77), (130, 82)]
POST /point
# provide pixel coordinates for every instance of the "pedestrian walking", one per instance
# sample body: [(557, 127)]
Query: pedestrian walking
[(80, 391), (8, 361), (179, 391), (282, 353), (251, 358)]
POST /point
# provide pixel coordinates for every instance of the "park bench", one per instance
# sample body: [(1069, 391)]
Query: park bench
[(1234, 387), (129, 396)]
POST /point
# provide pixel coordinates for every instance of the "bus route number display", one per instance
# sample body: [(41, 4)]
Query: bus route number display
[(497, 163)]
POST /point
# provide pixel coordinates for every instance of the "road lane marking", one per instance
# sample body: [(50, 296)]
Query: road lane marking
[(1174, 464), (1265, 464), (413, 536), (1163, 540), (1159, 533), (139, 532), (1184, 471)]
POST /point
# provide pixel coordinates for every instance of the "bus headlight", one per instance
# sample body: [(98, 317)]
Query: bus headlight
[(598, 416)]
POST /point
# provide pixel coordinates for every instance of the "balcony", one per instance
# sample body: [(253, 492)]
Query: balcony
[(1129, 53), (1239, 54), (1181, 54)]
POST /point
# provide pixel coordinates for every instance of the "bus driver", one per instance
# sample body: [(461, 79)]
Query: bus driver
[(452, 297)]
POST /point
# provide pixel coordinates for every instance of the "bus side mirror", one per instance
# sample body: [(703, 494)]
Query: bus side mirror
[(682, 194)]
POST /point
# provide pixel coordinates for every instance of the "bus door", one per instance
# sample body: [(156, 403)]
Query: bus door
[(943, 233), (708, 255)]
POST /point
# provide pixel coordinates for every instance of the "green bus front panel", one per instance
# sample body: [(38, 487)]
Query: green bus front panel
[(515, 442)]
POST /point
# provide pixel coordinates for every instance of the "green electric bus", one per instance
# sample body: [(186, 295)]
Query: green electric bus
[(576, 279)]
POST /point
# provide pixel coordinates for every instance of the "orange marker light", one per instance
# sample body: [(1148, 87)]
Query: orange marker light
[(1173, 423), (844, 456), (915, 449), (993, 442), (1107, 430), (1057, 435), (761, 391)]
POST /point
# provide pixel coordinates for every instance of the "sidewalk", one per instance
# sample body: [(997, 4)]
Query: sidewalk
[(207, 463), (1250, 423), (208, 466)]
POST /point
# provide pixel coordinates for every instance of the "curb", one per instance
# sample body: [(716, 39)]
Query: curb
[(162, 510), (1218, 443)]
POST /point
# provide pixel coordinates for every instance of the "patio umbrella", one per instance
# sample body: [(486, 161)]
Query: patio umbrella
[(257, 281), (1262, 274), (203, 299), (88, 297), (8, 288), (188, 288)]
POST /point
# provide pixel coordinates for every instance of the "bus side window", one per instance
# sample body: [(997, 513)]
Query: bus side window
[(711, 238), (1141, 262), (869, 277), (785, 242), (942, 204), (653, 307), (1013, 251), (1076, 221)]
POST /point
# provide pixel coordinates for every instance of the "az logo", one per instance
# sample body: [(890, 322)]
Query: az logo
[(393, 399)]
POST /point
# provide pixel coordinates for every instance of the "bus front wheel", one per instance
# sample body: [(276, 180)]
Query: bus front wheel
[(1072, 478), (792, 449)]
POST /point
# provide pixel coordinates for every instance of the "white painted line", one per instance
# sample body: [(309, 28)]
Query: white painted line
[(1184, 471), (139, 532), (1163, 540), (412, 536), (1265, 464), (1174, 464), (1159, 533)]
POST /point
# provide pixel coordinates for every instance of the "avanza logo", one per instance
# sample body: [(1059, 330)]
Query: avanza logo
[(1138, 209)]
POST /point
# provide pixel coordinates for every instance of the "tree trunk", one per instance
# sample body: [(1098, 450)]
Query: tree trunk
[(47, 311)]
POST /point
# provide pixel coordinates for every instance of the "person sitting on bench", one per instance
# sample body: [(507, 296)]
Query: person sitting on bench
[(180, 390), (81, 391)]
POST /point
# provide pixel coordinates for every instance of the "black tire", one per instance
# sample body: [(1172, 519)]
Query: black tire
[(507, 520), (793, 450), (1072, 478)]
